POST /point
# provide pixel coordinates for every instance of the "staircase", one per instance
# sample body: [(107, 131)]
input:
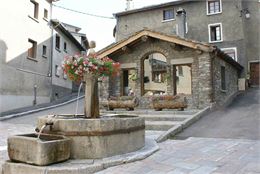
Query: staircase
[(162, 122), (158, 120)]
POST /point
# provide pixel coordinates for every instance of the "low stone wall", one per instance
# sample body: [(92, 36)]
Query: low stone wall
[(231, 75)]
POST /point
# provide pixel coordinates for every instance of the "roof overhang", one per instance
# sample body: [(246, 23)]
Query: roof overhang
[(59, 25), (157, 35), (136, 37)]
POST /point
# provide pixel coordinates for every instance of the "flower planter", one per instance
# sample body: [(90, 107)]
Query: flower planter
[(169, 102), (127, 102)]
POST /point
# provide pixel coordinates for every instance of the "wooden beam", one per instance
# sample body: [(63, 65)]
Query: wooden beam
[(126, 49), (121, 44), (144, 38), (199, 51), (145, 35)]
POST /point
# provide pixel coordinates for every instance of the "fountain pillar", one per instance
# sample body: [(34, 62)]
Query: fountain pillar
[(91, 96)]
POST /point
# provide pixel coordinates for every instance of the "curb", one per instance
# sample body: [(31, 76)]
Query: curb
[(39, 109), (178, 128), (84, 166)]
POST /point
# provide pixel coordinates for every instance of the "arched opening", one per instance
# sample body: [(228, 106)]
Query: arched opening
[(154, 75)]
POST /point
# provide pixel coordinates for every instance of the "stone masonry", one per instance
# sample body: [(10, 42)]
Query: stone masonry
[(202, 69)]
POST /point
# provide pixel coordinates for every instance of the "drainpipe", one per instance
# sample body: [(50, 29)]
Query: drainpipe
[(51, 58), (35, 94)]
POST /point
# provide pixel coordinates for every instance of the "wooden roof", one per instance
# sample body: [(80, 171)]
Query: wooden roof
[(136, 37), (154, 34)]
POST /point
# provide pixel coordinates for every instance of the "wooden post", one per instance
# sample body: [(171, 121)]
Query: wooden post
[(91, 96)]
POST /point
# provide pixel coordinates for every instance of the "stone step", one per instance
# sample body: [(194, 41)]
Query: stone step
[(150, 112), (160, 125), (165, 117)]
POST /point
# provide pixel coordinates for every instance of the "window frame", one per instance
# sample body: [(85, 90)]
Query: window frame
[(59, 45), (36, 10), (44, 13), (44, 48), (65, 47), (170, 19), (207, 7), (231, 48), (34, 49), (221, 32), (57, 74)]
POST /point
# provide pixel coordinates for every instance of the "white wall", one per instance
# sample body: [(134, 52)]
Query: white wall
[(58, 57), (19, 74)]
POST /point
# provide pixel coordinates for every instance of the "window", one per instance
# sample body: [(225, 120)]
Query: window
[(180, 71), (44, 51), (57, 42), (168, 14), (57, 70), (32, 49), (214, 7), (232, 52), (65, 77), (215, 33), (65, 46), (223, 78), (45, 14), (35, 9)]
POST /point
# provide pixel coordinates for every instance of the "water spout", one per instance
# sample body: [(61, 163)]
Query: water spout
[(77, 105), (39, 134), (42, 128)]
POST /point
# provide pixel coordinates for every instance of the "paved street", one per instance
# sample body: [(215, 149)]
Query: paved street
[(239, 120), (198, 156), (224, 142)]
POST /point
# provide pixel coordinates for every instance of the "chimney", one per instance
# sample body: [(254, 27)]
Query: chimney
[(181, 21), (128, 5)]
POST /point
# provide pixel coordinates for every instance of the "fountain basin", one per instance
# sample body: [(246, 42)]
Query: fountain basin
[(98, 138), (29, 149)]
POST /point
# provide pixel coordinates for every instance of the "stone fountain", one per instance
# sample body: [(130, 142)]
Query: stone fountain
[(86, 136)]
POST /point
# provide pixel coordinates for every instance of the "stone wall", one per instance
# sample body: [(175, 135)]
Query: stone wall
[(231, 75), (238, 31), (200, 63), (205, 72)]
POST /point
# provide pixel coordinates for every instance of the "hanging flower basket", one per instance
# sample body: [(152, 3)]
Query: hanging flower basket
[(76, 66), (90, 68)]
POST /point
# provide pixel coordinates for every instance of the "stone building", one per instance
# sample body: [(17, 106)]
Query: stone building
[(213, 74), (231, 25)]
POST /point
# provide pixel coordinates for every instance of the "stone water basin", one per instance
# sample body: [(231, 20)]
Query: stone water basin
[(27, 148)]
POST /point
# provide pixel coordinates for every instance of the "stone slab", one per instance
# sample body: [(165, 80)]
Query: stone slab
[(82, 166)]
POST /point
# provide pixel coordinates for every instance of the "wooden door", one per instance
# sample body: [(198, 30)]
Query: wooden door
[(254, 73)]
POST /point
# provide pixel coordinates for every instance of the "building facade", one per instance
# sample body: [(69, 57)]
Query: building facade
[(211, 76), (233, 26), (31, 51), (64, 44), (25, 43)]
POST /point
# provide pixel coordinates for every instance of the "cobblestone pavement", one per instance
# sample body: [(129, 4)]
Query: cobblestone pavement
[(198, 156), (193, 155)]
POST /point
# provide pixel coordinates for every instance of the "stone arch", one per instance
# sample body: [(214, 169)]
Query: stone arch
[(150, 50)]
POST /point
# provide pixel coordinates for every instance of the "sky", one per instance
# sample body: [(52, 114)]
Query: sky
[(97, 29)]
